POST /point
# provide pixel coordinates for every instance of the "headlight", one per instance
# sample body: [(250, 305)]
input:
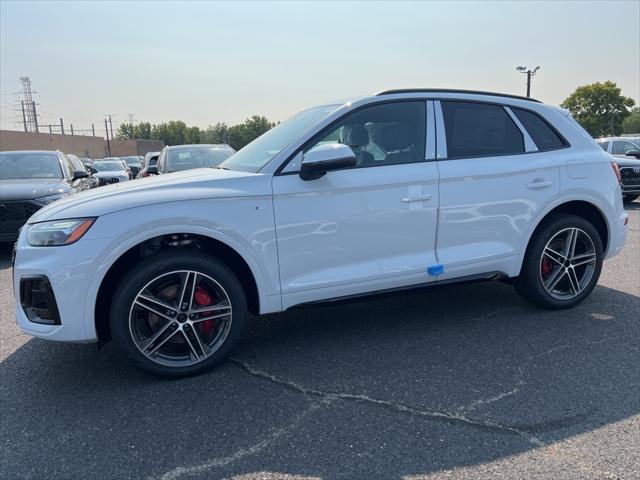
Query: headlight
[(58, 232), (49, 198)]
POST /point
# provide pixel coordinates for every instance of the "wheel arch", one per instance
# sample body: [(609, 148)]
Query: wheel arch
[(581, 207), (242, 265)]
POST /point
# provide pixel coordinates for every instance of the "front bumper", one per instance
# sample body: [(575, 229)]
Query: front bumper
[(70, 271)]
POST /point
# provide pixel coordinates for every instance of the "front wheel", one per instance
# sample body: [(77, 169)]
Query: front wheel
[(562, 264), (178, 313)]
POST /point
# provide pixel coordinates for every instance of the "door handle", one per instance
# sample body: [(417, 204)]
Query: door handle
[(417, 198), (539, 184)]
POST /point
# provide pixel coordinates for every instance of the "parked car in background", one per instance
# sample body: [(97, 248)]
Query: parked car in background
[(400, 189), (150, 160), (31, 179), (134, 163), (111, 171), (86, 161), (186, 157), (90, 181), (626, 152)]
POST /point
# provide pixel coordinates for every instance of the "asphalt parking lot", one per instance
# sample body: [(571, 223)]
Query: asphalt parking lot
[(466, 381)]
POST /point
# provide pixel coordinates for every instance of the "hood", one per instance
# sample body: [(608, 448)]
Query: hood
[(30, 188), (623, 161), (172, 187)]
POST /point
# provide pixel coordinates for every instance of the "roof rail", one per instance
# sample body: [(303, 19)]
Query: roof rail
[(449, 90)]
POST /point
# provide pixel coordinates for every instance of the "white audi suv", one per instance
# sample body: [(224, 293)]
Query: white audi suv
[(400, 189)]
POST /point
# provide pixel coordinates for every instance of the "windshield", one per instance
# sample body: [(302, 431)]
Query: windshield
[(108, 166), (259, 152), (131, 160), (188, 158), (15, 166)]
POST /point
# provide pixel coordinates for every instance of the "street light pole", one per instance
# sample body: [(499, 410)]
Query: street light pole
[(530, 73)]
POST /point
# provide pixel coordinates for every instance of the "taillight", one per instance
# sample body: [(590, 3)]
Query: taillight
[(616, 170)]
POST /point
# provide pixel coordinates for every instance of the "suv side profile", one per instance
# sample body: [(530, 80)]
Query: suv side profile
[(400, 189)]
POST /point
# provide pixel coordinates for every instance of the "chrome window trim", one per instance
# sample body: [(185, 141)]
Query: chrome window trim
[(529, 144), (441, 139), (430, 149)]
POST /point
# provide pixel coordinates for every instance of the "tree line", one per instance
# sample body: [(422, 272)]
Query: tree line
[(176, 132), (599, 107)]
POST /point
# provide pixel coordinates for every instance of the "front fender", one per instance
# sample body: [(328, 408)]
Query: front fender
[(243, 224)]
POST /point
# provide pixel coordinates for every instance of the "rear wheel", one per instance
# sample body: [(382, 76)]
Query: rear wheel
[(178, 313), (562, 264)]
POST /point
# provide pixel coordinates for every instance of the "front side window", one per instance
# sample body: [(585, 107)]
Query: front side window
[(541, 133), (14, 166), (387, 134), (479, 130), (621, 147)]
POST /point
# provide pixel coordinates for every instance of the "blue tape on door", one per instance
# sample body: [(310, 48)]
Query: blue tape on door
[(435, 270)]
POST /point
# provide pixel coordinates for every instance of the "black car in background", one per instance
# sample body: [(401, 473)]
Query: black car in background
[(186, 157), (31, 179), (134, 163), (78, 164), (626, 152)]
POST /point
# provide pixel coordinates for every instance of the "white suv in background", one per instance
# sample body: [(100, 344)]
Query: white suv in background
[(400, 189)]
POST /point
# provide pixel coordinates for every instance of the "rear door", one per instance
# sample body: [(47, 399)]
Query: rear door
[(367, 228), (494, 180)]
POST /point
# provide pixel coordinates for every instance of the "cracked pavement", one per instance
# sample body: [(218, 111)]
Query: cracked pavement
[(457, 382)]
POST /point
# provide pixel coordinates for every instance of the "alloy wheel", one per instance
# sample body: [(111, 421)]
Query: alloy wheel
[(567, 263), (180, 318)]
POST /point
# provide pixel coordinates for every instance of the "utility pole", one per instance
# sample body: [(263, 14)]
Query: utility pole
[(106, 129), (111, 126), (130, 115), (72, 129), (530, 73), (93, 130), (24, 116), (61, 126), (35, 116)]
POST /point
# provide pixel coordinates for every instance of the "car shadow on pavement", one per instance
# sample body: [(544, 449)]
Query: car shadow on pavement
[(393, 386)]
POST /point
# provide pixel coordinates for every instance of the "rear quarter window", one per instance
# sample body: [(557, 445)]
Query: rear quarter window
[(542, 134)]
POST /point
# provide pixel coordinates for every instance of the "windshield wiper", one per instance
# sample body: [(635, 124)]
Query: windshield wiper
[(221, 168)]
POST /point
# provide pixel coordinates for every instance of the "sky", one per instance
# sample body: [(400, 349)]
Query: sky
[(207, 62)]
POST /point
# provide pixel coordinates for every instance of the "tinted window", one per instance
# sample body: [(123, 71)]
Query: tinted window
[(542, 134), (479, 130), (604, 145), (385, 134), (621, 147), (29, 165), (109, 166)]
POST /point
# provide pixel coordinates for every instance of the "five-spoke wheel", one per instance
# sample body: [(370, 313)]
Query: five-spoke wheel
[(178, 313), (562, 263)]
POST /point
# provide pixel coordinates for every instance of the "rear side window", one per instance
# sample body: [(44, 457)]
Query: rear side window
[(542, 134), (604, 145), (480, 130)]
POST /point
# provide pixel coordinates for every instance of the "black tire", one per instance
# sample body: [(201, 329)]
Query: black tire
[(629, 198), (162, 263), (530, 284)]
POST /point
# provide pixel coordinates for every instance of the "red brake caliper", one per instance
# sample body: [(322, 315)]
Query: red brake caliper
[(203, 299), (546, 267)]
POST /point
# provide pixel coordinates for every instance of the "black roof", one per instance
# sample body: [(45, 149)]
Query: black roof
[(448, 90)]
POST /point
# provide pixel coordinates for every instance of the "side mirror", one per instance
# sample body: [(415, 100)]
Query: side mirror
[(633, 153), (78, 174), (93, 170), (152, 170), (325, 158)]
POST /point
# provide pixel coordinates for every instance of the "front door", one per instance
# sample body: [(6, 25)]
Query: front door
[(367, 228)]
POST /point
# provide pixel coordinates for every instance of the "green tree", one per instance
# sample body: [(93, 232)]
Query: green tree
[(125, 132), (599, 107), (244, 133), (218, 133), (142, 130), (631, 124), (175, 132)]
